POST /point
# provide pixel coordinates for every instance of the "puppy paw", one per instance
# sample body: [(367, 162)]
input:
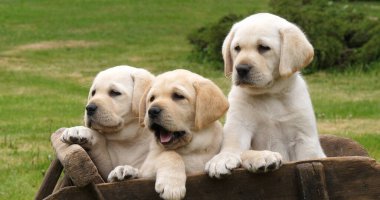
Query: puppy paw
[(77, 135), (171, 187), (222, 164), (261, 161), (121, 173)]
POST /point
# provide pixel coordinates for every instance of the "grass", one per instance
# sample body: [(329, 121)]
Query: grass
[(348, 104), (50, 51)]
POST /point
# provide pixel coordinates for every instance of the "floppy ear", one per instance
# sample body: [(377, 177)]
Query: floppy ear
[(210, 103), (142, 80), (228, 63), (296, 50), (142, 107)]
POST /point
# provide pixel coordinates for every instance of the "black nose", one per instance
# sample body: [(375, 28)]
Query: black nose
[(243, 69), (154, 111), (91, 109)]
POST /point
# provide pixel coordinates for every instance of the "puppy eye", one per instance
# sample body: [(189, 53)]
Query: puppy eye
[(237, 48), (262, 49), (152, 98), (177, 97), (93, 92), (114, 93)]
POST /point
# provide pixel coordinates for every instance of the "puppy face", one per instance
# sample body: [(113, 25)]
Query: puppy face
[(179, 104), (263, 48), (114, 96)]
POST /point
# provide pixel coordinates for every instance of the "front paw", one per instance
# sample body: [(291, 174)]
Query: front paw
[(261, 161), (222, 164), (121, 173), (77, 135), (171, 187)]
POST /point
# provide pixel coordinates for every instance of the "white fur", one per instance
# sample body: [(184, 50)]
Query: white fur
[(113, 136), (271, 118), (197, 113)]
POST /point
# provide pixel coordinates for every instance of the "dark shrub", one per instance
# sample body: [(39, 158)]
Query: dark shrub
[(338, 32), (207, 41), (341, 36)]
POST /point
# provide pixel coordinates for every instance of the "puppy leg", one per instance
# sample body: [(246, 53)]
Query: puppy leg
[(236, 139), (171, 176), (308, 148), (121, 173), (222, 164), (261, 161), (80, 135)]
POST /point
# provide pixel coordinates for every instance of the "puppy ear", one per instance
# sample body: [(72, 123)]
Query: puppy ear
[(142, 107), (228, 63), (210, 103), (296, 50), (142, 80)]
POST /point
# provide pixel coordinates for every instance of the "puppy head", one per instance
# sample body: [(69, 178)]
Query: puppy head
[(179, 104), (263, 48), (114, 97)]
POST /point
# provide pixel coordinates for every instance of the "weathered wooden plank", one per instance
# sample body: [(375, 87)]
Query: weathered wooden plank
[(65, 181), (80, 168), (345, 178), (77, 164), (72, 193), (335, 146), (311, 181), (93, 188), (352, 178), (50, 179)]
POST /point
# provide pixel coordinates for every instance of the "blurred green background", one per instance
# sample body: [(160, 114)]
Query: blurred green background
[(51, 50)]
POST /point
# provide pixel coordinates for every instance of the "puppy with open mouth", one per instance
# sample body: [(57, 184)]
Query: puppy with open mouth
[(182, 110), (112, 134)]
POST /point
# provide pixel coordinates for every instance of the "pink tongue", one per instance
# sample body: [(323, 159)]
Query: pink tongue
[(165, 137)]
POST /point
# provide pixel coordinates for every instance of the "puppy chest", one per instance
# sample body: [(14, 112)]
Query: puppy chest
[(195, 163), (122, 155), (274, 134)]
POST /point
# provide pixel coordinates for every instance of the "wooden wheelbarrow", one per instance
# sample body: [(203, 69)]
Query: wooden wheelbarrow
[(347, 173)]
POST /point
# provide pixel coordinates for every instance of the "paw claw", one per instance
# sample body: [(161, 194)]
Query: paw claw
[(171, 188), (121, 173), (222, 164), (261, 161), (73, 139), (272, 166), (77, 135)]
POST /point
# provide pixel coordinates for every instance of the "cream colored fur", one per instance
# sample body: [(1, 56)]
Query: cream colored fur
[(271, 118), (189, 103), (113, 135)]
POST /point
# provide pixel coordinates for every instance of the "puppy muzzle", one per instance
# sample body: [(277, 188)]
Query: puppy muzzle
[(97, 118), (91, 109), (243, 70), (247, 76)]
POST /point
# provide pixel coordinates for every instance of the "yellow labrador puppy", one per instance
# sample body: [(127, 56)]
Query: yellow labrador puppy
[(271, 118), (113, 135), (182, 110)]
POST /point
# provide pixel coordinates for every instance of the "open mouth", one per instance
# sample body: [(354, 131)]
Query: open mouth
[(165, 136)]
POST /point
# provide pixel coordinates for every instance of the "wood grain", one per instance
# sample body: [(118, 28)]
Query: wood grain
[(50, 179), (311, 181), (345, 178)]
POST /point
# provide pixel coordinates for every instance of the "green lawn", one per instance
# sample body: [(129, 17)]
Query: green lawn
[(51, 50)]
